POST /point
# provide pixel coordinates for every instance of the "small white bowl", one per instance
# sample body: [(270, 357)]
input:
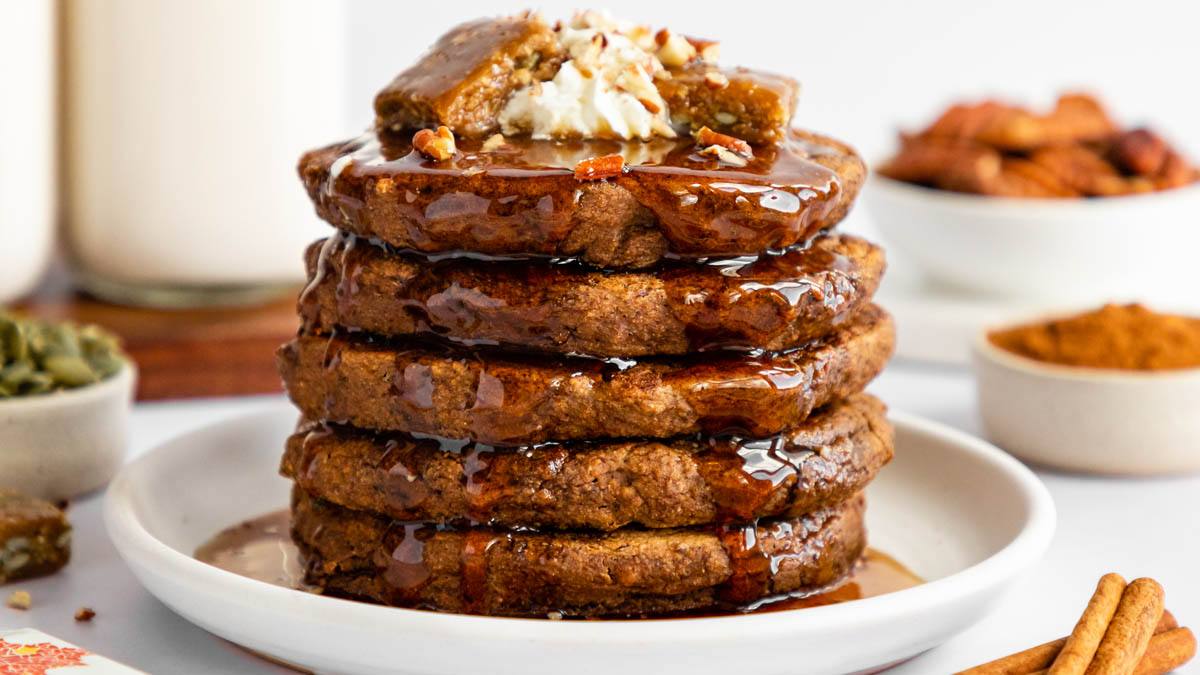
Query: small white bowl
[(1093, 420), (66, 443), (1076, 250)]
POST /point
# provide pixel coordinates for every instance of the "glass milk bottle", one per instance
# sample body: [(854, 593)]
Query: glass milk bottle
[(27, 128), (183, 125)]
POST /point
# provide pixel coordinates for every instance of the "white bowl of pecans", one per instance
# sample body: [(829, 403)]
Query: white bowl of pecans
[(995, 199), (1050, 250)]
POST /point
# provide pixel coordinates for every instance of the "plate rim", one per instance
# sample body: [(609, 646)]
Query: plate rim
[(139, 548)]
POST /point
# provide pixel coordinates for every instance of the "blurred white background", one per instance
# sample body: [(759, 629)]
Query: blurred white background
[(211, 104), (870, 68), (867, 67)]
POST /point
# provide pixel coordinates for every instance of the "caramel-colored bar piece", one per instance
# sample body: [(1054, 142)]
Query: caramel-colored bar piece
[(35, 538), (751, 105), (464, 80)]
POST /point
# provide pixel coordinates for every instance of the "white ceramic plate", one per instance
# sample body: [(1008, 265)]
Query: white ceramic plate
[(955, 509)]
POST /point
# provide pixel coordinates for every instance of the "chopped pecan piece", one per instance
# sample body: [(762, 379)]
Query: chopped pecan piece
[(706, 137), (437, 145), (494, 142), (716, 80), (674, 50), (596, 168), (707, 50), (19, 600)]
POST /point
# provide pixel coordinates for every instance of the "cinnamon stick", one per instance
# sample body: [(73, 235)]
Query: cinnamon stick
[(1081, 645), (1021, 663), (1132, 626), (1035, 660), (1167, 651)]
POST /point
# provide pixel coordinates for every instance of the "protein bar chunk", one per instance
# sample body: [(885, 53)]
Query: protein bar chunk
[(35, 538), (751, 105), (464, 80)]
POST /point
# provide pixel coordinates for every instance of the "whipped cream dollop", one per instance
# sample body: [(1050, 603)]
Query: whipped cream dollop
[(605, 88)]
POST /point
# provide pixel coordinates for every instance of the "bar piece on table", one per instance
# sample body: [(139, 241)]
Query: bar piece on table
[(35, 538)]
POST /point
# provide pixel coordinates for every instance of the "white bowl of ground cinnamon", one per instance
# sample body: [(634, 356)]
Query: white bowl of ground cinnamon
[(1115, 390)]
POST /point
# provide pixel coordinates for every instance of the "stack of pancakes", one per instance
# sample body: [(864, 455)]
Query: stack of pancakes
[(527, 394)]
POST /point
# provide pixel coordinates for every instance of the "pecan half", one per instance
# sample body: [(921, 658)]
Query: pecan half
[(437, 145), (1140, 152), (596, 168)]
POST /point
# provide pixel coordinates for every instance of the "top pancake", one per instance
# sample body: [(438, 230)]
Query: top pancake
[(523, 199)]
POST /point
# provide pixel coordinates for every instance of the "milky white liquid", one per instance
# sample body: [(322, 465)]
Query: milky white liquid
[(184, 124), (27, 161)]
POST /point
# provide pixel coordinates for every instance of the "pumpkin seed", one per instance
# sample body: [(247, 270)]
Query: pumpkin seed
[(38, 356)]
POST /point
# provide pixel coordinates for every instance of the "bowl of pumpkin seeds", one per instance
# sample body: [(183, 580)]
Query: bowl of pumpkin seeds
[(66, 391)]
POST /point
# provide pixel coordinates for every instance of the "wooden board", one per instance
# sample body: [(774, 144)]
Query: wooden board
[(182, 353)]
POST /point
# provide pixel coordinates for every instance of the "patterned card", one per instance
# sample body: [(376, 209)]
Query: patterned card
[(26, 651)]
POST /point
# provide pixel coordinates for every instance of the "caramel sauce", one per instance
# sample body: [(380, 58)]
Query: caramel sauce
[(722, 303), (876, 573), (261, 549), (523, 194), (404, 569)]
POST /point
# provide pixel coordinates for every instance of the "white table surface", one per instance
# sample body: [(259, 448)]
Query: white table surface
[(1137, 527)]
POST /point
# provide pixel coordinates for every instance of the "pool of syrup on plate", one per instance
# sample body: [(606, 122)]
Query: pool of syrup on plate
[(262, 549)]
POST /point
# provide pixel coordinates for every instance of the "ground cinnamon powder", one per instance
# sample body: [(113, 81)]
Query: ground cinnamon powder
[(1128, 337)]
